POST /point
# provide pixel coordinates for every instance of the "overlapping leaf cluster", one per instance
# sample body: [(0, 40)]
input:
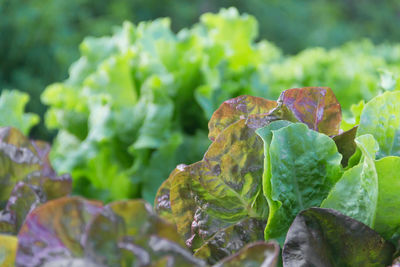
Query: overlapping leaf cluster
[(144, 95), (277, 174), (27, 178), (41, 226), (27, 181), (272, 161), (72, 231)]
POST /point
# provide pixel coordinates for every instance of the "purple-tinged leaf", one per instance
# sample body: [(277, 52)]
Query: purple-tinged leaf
[(229, 240), (55, 230), (396, 262), (23, 200), (222, 189), (162, 202), (254, 254), (325, 237), (235, 109), (18, 159), (317, 107), (129, 231), (78, 232), (26, 178)]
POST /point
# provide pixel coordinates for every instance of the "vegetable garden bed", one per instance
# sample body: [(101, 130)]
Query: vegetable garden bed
[(279, 184)]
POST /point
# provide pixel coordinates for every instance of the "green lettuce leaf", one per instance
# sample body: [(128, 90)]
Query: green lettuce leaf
[(387, 222), (301, 166), (381, 118), (12, 107), (356, 193)]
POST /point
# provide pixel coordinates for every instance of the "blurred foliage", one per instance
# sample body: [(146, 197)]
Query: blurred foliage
[(12, 106), (355, 71), (39, 38), (136, 103)]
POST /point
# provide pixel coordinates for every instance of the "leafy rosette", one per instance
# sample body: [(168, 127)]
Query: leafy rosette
[(144, 95), (371, 181), (272, 161), (27, 178), (73, 231), (219, 204), (215, 209)]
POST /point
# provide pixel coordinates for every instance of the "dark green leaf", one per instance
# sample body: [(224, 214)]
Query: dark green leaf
[(387, 220), (301, 166), (356, 193), (345, 144)]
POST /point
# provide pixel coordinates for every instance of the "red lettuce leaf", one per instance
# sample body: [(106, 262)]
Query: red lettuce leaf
[(235, 109), (325, 237), (317, 107)]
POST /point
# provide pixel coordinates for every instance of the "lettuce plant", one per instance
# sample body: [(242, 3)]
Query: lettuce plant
[(270, 161), (143, 95), (272, 189), (137, 103), (72, 231)]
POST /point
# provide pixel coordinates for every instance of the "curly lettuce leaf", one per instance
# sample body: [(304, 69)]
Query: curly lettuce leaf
[(143, 94), (18, 160), (162, 201), (12, 107), (54, 230)]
